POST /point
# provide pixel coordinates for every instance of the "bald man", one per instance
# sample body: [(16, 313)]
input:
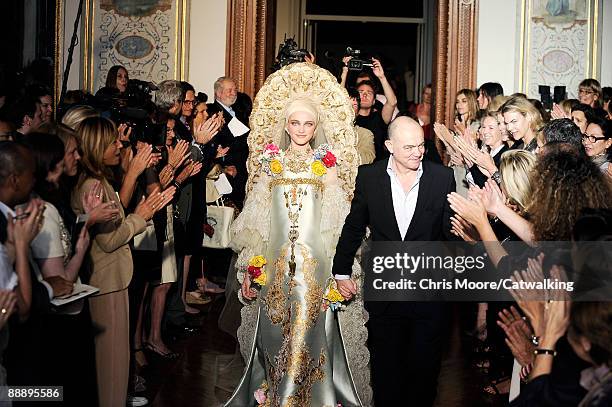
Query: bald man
[(402, 198)]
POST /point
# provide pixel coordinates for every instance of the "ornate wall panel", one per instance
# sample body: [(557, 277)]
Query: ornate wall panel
[(559, 44), (250, 42), (148, 37), (455, 63)]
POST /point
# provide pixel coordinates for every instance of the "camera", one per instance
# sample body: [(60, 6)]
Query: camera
[(357, 62), (134, 108), (288, 53)]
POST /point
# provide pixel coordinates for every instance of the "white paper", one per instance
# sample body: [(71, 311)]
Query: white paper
[(223, 185), (237, 127), (79, 291)]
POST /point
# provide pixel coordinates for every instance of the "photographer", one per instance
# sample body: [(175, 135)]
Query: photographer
[(376, 120)]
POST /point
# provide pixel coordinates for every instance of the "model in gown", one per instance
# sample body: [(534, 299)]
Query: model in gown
[(292, 327)]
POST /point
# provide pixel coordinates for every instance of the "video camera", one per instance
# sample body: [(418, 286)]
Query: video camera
[(357, 62), (134, 107), (288, 53)]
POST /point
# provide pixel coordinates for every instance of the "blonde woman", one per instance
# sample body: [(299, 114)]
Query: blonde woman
[(111, 259), (590, 93), (523, 122)]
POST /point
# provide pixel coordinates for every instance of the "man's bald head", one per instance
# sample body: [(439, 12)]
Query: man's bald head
[(404, 125), (406, 143)]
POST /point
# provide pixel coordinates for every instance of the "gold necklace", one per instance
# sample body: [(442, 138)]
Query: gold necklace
[(297, 161), (293, 202)]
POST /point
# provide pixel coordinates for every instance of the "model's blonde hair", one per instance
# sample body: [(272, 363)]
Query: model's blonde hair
[(523, 106), (515, 168), (96, 134)]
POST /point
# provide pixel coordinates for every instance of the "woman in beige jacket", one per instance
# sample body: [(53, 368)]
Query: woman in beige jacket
[(110, 256)]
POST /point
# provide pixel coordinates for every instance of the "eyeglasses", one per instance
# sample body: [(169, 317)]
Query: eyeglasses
[(410, 148), (585, 92), (593, 137)]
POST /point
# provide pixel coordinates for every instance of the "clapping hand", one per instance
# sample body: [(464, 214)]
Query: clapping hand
[(141, 161), (192, 168), (124, 132), (207, 130), (472, 210), (178, 154), (94, 205), (558, 113), (154, 202), (518, 335)]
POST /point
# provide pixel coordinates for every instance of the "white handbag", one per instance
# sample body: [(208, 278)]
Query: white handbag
[(220, 218)]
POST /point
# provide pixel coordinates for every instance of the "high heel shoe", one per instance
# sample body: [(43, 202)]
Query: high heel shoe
[(168, 355)]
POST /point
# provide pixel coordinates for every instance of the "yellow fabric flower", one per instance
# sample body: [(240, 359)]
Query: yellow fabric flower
[(333, 295), (318, 168), (257, 261), (276, 167), (261, 280)]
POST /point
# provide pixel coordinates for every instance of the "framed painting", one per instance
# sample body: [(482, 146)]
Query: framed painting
[(148, 37), (559, 44)]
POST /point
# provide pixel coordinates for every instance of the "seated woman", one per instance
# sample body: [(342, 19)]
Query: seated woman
[(298, 346)]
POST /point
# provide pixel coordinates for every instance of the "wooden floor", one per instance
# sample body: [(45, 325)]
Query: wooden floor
[(208, 369)]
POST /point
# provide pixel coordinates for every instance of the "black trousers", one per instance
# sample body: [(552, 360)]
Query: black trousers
[(405, 343)]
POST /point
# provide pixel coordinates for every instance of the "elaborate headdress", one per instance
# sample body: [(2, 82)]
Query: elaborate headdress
[(301, 86)]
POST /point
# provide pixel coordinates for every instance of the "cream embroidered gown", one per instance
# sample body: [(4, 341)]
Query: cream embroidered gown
[(298, 349)]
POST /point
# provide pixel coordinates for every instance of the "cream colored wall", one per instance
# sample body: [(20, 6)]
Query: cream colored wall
[(207, 42), (497, 39), (498, 36)]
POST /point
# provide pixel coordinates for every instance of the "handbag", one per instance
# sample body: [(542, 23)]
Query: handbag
[(220, 218)]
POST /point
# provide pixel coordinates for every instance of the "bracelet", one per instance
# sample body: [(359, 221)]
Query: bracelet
[(535, 340), (496, 177), (176, 184), (545, 352)]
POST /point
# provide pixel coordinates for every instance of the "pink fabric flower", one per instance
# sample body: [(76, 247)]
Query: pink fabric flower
[(260, 396), (271, 148), (329, 160)]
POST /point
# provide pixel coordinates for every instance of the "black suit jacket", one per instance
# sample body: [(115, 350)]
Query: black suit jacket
[(372, 206), (237, 154)]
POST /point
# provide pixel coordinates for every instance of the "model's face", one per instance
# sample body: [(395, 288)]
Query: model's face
[(597, 147), (367, 95), (461, 104), (580, 119), (483, 101), (490, 132), (46, 106), (301, 127), (187, 108), (407, 147), (71, 158), (112, 154), (201, 113), (228, 93), (427, 95), (517, 124), (587, 96), (122, 80)]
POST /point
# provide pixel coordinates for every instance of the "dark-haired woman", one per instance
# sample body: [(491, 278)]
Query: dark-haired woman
[(596, 140)]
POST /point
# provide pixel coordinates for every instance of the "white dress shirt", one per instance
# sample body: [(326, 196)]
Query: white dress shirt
[(404, 203), (228, 108)]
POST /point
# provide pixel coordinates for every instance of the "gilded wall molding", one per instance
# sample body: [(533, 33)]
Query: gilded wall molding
[(248, 42), (456, 58)]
